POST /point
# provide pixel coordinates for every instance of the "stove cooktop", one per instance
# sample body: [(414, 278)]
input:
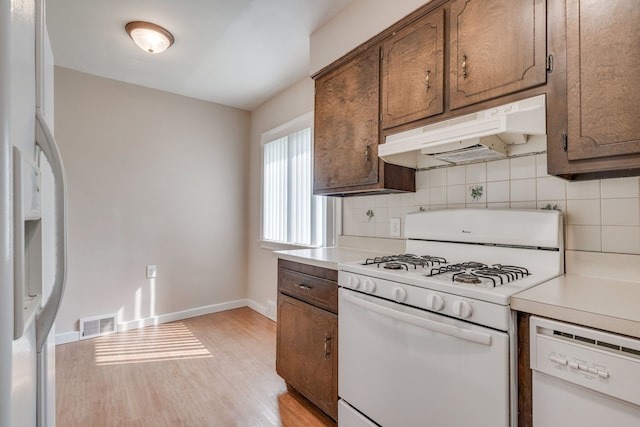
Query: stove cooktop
[(467, 272), (479, 280), (483, 254)]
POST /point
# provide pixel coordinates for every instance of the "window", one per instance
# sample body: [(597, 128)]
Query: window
[(290, 213)]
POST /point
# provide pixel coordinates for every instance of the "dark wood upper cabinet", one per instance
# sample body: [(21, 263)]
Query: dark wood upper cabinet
[(347, 131), (592, 119), (603, 93), (413, 71), (346, 124), (497, 47)]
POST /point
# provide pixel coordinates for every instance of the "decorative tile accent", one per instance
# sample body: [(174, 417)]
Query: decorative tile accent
[(370, 214), (556, 205), (476, 193)]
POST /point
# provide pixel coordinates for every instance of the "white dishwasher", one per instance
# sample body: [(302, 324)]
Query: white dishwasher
[(583, 377)]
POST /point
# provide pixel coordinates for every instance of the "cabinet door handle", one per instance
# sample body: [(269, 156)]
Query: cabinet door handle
[(304, 287), (464, 66), (327, 346), (367, 153), (427, 78)]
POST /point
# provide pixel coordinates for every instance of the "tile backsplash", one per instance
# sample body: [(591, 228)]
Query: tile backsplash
[(600, 215)]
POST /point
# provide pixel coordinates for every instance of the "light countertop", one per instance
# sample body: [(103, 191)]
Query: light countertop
[(349, 249), (588, 296), (325, 257)]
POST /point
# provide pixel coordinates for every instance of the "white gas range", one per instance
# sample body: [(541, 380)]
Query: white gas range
[(427, 331)]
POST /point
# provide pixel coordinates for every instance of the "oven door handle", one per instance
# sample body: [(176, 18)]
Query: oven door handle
[(432, 325)]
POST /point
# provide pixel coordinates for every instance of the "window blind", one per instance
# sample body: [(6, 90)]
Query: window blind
[(291, 214)]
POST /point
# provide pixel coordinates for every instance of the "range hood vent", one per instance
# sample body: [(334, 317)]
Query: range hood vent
[(485, 135)]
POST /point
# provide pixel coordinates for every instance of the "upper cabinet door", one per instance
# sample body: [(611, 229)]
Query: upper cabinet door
[(347, 124), (497, 47), (413, 71), (603, 93)]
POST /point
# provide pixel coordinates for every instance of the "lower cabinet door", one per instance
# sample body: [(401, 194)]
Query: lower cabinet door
[(307, 352)]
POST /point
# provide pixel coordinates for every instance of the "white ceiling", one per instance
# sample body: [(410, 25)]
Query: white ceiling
[(232, 52)]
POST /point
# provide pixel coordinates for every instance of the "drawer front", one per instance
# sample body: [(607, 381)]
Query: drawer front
[(314, 290)]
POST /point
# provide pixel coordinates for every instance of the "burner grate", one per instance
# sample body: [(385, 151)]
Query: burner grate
[(473, 272), (405, 260)]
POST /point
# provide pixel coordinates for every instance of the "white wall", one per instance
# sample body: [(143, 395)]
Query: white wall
[(356, 23), (293, 102), (154, 178), (359, 21)]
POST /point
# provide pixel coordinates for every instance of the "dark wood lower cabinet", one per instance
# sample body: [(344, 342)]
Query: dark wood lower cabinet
[(525, 409), (307, 337)]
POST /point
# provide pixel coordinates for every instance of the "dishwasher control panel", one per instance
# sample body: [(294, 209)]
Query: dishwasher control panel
[(597, 360)]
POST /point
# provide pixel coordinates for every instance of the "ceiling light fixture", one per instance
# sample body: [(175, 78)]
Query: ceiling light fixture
[(149, 37)]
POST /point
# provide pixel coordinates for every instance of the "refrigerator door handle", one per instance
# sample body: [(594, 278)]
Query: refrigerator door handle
[(46, 317)]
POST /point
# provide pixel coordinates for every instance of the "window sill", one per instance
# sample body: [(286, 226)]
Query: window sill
[(279, 246)]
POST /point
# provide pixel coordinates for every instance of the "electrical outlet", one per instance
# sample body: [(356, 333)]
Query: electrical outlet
[(394, 227), (151, 271)]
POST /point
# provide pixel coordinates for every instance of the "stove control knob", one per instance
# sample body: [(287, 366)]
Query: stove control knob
[(369, 286), (399, 294), (462, 309), (435, 302), (354, 282)]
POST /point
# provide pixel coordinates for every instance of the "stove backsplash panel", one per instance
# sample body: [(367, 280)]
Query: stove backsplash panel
[(600, 215)]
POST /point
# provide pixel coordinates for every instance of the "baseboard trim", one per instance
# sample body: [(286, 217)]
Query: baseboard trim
[(163, 318), (260, 309), (180, 315)]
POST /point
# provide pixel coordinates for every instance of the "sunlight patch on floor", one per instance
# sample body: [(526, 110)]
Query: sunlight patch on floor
[(171, 341)]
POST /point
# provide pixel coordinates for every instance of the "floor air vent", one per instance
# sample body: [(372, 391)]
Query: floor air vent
[(91, 327)]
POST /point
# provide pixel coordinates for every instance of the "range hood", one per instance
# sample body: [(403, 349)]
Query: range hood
[(485, 135)]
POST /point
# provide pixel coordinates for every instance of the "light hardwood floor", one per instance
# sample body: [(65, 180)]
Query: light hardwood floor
[(214, 370)]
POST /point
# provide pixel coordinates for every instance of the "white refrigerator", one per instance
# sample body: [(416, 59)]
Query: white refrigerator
[(32, 218)]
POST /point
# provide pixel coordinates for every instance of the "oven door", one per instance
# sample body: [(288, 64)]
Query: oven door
[(401, 366)]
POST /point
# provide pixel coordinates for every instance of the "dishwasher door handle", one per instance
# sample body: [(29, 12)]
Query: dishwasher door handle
[(420, 322)]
